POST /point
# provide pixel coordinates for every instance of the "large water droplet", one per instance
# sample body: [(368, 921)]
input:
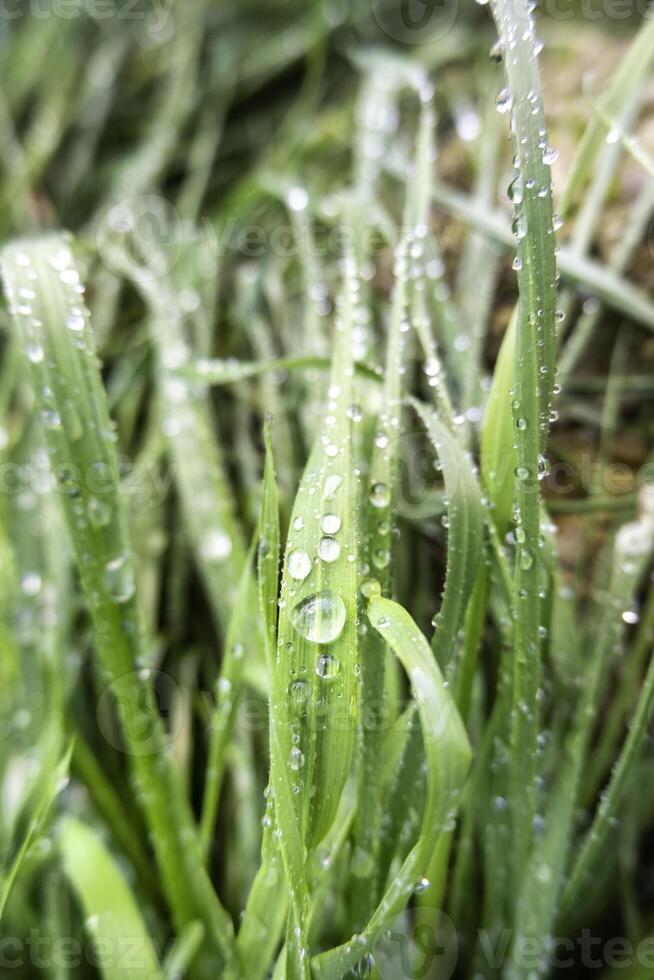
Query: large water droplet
[(319, 617)]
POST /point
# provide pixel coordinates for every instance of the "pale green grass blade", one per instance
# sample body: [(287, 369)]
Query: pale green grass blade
[(541, 897), (52, 774), (614, 291), (465, 527), (634, 545), (187, 423), (317, 643), (498, 457), (112, 916), (448, 756), (44, 290), (630, 74), (266, 908), (227, 694), (532, 389), (216, 372)]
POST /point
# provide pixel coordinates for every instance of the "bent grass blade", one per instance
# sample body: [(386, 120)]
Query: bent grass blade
[(448, 757)]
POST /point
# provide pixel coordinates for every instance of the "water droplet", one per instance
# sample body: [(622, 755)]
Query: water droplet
[(34, 353), (380, 495), (550, 155), (119, 576), (319, 617), (296, 759), (297, 199), (30, 583), (99, 512), (504, 100), (329, 549), (216, 546), (299, 564), (327, 666), (370, 587), (331, 523), (332, 483)]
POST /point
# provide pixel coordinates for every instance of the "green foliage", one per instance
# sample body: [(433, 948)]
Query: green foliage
[(317, 436)]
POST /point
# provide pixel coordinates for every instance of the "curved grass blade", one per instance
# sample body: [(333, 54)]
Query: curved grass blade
[(46, 297), (465, 532), (113, 919), (448, 757), (32, 820), (207, 501)]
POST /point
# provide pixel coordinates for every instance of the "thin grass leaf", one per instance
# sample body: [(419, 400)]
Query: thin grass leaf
[(465, 525), (113, 921), (32, 820), (448, 757), (227, 694), (541, 897), (633, 549), (532, 388), (261, 928), (630, 74), (593, 277)]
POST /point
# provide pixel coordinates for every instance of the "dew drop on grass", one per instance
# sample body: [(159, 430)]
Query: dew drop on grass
[(331, 523), (327, 666), (119, 577), (216, 546), (370, 587), (380, 495), (296, 759), (329, 549), (34, 353), (299, 691), (99, 512), (320, 617), (504, 100), (299, 564), (332, 484), (550, 155)]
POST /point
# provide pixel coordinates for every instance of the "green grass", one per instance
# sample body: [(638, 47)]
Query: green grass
[(308, 669)]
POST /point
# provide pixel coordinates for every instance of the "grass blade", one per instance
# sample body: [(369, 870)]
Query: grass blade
[(533, 385), (448, 757), (113, 919)]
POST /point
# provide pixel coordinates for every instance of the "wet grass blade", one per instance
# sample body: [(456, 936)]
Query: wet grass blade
[(447, 755), (532, 387)]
